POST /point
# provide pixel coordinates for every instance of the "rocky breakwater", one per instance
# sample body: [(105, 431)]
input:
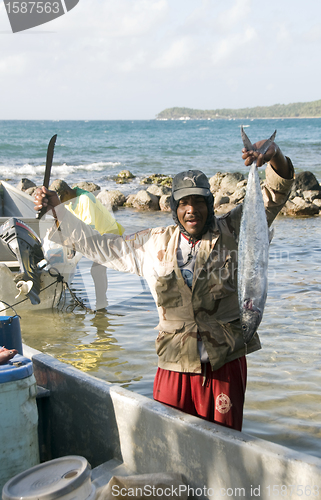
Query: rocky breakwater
[(228, 189), (304, 200)]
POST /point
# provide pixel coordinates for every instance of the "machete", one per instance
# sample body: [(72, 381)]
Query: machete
[(50, 152)]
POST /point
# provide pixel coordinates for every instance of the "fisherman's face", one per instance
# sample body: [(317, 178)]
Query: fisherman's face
[(192, 214)]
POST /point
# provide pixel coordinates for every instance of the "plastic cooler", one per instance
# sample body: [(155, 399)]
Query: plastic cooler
[(19, 418)]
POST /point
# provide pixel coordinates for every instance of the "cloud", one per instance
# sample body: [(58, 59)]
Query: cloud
[(13, 65), (176, 55), (313, 34), (224, 50), (235, 15), (114, 18)]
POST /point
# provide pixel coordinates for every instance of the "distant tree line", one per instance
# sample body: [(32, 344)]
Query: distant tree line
[(295, 110)]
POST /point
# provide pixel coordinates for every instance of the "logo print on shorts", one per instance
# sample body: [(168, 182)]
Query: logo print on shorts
[(223, 403)]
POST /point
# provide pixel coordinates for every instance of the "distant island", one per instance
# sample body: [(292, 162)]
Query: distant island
[(295, 110)]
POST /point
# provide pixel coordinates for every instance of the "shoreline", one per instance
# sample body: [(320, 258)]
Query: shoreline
[(237, 118), (157, 119)]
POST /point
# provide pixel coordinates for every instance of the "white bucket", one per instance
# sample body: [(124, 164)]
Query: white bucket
[(65, 478), (19, 448)]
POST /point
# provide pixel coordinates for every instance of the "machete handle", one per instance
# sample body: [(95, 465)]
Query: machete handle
[(41, 213)]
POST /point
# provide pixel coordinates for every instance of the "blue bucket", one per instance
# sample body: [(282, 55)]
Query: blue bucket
[(10, 333)]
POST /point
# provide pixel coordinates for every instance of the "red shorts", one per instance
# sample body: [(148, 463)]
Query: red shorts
[(220, 399)]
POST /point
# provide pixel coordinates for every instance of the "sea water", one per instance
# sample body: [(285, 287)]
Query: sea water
[(283, 401)]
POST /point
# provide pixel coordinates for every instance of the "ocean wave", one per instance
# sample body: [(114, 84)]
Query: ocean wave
[(28, 170), (23, 171)]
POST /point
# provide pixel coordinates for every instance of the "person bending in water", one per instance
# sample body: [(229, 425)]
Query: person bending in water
[(85, 206)]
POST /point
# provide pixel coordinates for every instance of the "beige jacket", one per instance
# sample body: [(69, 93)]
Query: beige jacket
[(210, 307)]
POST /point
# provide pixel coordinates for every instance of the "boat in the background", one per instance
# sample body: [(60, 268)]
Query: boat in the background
[(33, 270)]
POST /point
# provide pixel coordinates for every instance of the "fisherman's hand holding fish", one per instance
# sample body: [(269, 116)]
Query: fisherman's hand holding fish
[(273, 155), (254, 236)]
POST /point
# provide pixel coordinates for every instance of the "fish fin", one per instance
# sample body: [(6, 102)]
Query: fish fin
[(271, 234), (249, 146), (246, 141), (263, 149)]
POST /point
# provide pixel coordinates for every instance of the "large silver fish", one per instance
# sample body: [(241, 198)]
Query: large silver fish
[(253, 249)]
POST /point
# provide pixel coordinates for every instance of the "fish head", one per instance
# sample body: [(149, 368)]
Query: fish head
[(251, 317)]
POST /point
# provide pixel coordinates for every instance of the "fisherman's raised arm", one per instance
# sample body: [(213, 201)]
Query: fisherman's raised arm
[(111, 250)]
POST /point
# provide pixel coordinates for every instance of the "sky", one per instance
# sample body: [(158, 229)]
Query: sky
[(131, 59)]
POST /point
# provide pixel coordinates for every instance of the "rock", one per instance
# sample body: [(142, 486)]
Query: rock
[(31, 190), (125, 174), (229, 182), (317, 202), (25, 184), (298, 207), (223, 209), (87, 186), (111, 199), (238, 195), (164, 203), (220, 199), (242, 183), (294, 193), (215, 182), (145, 201), (158, 190), (59, 186), (129, 200), (311, 195), (161, 179), (306, 181)]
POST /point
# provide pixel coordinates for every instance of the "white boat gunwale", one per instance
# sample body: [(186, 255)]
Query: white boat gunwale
[(118, 430)]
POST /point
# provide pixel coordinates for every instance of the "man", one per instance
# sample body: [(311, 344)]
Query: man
[(85, 206), (191, 269)]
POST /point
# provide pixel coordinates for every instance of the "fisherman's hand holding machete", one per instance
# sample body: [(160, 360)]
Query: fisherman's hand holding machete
[(45, 199), (50, 153)]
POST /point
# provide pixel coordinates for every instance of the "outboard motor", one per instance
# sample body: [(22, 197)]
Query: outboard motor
[(25, 245)]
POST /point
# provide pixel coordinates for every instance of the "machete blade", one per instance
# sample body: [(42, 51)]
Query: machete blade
[(50, 153)]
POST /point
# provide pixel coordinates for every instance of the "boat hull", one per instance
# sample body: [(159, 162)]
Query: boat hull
[(123, 433)]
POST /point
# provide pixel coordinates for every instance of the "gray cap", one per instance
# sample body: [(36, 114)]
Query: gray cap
[(191, 182)]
